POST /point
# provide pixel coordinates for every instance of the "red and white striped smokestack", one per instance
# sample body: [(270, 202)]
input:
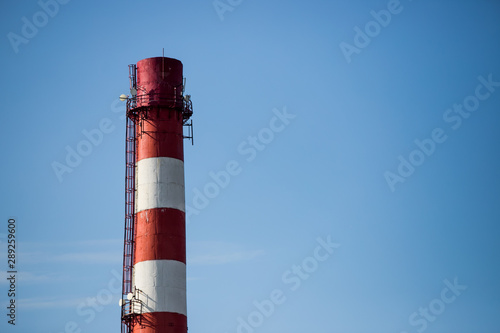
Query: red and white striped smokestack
[(159, 255)]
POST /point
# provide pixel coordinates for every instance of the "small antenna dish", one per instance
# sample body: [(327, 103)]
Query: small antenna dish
[(123, 97), (130, 296), (133, 92), (120, 302)]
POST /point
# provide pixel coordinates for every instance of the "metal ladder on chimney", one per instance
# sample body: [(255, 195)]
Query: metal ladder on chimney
[(129, 238)]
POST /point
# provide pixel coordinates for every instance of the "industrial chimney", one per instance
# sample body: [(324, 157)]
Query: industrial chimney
[(154, 261)]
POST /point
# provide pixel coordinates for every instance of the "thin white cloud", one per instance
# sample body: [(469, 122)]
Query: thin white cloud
[(219, 253), (97, 257), (31, 278), (48, 303), (106, 257), (226, 258), (76, 244), (107, 251)]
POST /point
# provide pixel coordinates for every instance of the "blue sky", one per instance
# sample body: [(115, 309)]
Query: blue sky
[(413, 231)]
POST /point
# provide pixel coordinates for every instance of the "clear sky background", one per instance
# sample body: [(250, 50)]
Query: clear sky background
[(329, 171)]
